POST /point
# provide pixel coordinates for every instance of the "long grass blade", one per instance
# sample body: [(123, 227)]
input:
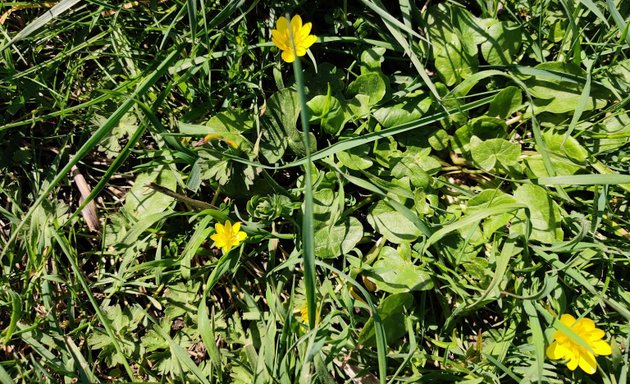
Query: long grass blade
[(308, 232)]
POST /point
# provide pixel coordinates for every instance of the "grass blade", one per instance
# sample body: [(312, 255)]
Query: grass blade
[(308, 232), (92, 142), (41, 21), (78, 273)]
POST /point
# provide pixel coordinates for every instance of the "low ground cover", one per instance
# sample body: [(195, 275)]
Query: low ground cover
[(314, 191)]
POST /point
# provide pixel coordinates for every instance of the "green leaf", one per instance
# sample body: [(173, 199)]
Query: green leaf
[(226, 126), (544, 215), (392, 311), (338, 239), (506, 102), (327, 111), (392, 224), (453, 42), (280, 130), (142, 201), (560, 96), (126, 127), (356, 158), (502, 42), (393, 273), (416, 164), (371, 60), (491, 198), (328, 76), (491, 153), (372, 84), (409, 110), (325, 212), (484, 127), (568, 156)]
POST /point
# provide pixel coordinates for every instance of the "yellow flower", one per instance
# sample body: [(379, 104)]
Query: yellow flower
[(564, 347), (281, 37), (228, 236)]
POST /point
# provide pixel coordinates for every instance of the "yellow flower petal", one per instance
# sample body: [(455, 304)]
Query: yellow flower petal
[(567, 320), (556, 351), (588, 363), (296, 24), (305, 30), (279, 40), (586, 325), (308, 41), (601, 348), (302, 40), (282, 24), (573, 362), (594, 335), (288, 56), (227, 235)]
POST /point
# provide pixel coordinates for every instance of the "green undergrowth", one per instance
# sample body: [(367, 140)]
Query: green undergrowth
[(470, 181)]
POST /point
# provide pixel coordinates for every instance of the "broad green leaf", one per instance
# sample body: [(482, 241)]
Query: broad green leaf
[(325, 208), (484, 127), (408, 110), (225, 126), (371, 60), (502, 42), (280, 129), (356, 158), (339, 239), (544, 215), (326, 111), (372, 84), (490, 153), (358, 107), (392, 311), (416, 164), (620, 73), (393, 273), (559, 96), (613, 133), (281, 115), (328, 76), (506, 102), (491, 198), (453, 42), (126, 127), (142, 201), (393, 225), (568, 155)]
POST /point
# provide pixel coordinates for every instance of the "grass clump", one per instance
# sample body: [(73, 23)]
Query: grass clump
[(455, 192)]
